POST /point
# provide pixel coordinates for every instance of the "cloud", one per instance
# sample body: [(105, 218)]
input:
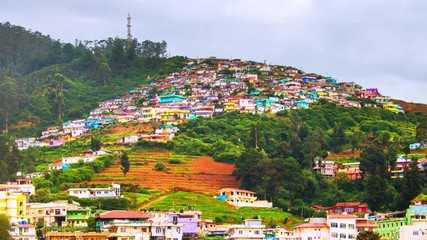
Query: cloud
[(372, 42)]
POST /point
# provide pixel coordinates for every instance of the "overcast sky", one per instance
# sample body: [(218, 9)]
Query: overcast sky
[(376, 43)]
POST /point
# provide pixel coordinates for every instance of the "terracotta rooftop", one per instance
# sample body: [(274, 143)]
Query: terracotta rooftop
[(122, 214)]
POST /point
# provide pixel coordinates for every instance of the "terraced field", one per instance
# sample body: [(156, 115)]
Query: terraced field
[(196, 174)]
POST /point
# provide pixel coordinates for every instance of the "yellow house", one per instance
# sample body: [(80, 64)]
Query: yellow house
[(14, 205), (230, 107), (174, 115)]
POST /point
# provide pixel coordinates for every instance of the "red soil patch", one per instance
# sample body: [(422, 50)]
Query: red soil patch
[(201, 174), (207, 165)]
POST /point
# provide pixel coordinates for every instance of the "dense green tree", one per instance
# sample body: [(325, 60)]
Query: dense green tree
[(368, 235), (10, 158), (104, 73), (95, 144), (125, 163), (373, 159), (421, 130), (4, 227), (8, 99), (159, 166), (411, 183), (375, 190), (338, 138), (293, 178)]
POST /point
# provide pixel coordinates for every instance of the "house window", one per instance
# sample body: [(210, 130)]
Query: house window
[(240, 232), (343, 225), (122, 229), (334, 235), (360, 230), (175, 218), (158, 230), (334, 225), (350, 226), (416, 233), (342, 235), (178, 230), (143, 230), (350, 209), (256, 232), (351, 236)]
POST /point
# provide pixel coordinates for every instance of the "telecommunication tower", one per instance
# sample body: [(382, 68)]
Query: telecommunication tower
[(129, 34)]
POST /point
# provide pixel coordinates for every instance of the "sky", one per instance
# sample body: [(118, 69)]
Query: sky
[(375, 43)]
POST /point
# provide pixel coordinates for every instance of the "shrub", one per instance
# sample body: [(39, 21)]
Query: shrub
[(175, 161), (160, 166)]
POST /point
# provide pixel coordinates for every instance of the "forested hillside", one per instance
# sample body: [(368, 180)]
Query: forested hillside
[(275, 155), (44, 81)]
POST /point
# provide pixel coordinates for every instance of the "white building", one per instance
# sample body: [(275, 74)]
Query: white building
[(317, 229), (125, 229), (414, 232), (110, 192), (342, 226), (242, 198), (251, 229), (22, 231)]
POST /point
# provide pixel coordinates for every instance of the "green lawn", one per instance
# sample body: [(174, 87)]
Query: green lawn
[(213, 209)]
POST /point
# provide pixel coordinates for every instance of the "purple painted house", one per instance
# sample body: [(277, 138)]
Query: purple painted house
[(189, 220), (56, 142)]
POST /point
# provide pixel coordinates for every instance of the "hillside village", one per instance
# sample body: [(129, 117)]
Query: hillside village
[(207, 88), (211, 86)]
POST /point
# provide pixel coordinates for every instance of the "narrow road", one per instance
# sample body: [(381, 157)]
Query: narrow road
[(147, 205)]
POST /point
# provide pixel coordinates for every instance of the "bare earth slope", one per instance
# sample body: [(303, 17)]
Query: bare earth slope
[(197, 174)]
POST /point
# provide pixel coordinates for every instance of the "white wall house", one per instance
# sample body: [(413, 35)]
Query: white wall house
[(242, 198), (251, 229), (110, 192)]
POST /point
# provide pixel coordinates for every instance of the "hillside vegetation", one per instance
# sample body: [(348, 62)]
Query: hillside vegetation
[(44, 82)]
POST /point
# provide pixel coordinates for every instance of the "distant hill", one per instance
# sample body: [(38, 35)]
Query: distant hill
[(412, 107)]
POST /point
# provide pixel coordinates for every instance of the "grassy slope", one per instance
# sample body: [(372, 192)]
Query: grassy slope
[(212, 208)]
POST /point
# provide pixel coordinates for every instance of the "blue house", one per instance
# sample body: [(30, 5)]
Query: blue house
[(331, 80), (308, 79), (302, 104), (313, 95), (170, 98), (65, 166)]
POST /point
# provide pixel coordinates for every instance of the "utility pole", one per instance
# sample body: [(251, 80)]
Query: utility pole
[(129, 33)]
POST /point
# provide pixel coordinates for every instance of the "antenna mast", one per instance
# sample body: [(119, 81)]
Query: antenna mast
[(129, 34)]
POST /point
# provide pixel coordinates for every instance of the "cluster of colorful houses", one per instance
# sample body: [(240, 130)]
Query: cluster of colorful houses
[(206, 87), (351, 170), (343, 221)]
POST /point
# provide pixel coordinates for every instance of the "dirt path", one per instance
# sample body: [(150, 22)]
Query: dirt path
[(146, 205)]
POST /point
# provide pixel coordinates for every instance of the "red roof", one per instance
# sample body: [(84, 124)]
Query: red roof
[(122, 214), (350, 204)]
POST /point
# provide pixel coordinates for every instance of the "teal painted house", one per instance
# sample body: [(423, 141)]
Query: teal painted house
[(170, 98)]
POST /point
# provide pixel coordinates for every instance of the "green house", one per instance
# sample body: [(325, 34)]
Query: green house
[(78, 217)]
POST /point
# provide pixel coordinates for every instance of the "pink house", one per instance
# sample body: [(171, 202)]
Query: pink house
[(55, 142)]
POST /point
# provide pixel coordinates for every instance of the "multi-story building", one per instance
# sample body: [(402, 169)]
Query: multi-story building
[(22, 231), (78, 217), (128, 229), (315, 229), (342, 226), (14, 205), (189, 220), (242, 198), (348, 207), (251, 229), (55, 213), (22, 185)]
